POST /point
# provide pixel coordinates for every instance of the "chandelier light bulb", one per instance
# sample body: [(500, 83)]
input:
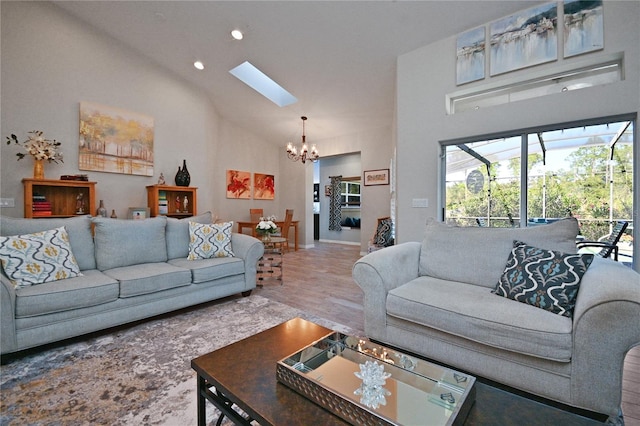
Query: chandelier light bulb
[(199, 65), (237, 35)]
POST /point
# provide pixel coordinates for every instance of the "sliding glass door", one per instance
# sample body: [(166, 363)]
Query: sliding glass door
[(537, 176)]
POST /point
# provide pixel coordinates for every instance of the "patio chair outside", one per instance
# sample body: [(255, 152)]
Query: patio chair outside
[(609, 244)]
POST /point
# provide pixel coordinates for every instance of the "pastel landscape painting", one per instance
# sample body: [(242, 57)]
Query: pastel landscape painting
[(525, 39), (583, 27), (115, 140), (470, 48)]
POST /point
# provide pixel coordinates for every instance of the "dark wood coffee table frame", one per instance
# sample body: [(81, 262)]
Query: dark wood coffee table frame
[(244, 374)]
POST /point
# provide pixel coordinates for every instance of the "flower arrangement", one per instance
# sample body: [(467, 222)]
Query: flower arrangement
[(38, 147), (267, 225)]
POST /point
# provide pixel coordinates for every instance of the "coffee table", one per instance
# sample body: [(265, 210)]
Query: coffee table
[(243, 375)]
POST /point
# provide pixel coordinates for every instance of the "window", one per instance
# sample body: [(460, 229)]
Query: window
[(350, 194), (536, 176)]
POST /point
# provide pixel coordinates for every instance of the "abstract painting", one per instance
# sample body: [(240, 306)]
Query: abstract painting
[(525, 39), (115, 140), (583, 27), (264, 187), (238, 184), (470, 48)]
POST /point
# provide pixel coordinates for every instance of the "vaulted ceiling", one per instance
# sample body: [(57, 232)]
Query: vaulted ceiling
[(337, 57)]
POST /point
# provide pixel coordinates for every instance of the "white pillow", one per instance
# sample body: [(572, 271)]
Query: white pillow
[(38, 258), (210, 240)]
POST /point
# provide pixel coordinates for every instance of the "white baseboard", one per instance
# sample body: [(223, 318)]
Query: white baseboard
[(347, 243)]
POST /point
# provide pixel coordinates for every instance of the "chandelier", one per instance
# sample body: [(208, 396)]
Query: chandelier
[(304, 154)]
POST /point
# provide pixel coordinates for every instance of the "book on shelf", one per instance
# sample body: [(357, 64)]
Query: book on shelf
[(42, 213)]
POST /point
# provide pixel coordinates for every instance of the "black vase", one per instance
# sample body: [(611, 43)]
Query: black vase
[(183, 178)]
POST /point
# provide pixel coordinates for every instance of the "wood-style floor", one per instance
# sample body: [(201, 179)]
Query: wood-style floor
[(318, 280)]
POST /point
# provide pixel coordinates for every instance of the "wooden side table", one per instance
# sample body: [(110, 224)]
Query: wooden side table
[(270, 264)]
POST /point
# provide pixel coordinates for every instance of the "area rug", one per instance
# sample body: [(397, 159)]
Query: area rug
[(136, 375)]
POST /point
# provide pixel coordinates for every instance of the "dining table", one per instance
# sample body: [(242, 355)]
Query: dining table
[(251, 225)]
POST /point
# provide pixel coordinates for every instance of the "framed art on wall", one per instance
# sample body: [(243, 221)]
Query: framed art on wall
[(115, 140), (376, 177), (470, 48), (264, 187), (238, 184), (583, 27), (524, 39)]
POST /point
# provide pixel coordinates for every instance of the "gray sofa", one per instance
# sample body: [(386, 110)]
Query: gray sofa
[(435, 299), (131, 270)]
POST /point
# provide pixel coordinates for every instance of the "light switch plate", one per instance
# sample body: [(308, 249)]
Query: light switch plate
[(420, 202)]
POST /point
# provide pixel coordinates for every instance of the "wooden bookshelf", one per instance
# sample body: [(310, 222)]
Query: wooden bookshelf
[(164, 200), (45, 198)]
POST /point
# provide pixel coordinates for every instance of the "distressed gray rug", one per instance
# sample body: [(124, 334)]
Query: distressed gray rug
[(137, 375)]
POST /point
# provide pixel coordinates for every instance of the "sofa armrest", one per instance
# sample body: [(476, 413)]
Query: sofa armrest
[(8, 341), (379, 272), (605, 327), (250, 250)]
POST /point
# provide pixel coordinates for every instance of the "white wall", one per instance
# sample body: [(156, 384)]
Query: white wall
[(426, 75), (51, 62)]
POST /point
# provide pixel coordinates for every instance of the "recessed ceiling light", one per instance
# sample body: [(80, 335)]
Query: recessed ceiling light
[(237, 34), (260, 82), (199, 65)]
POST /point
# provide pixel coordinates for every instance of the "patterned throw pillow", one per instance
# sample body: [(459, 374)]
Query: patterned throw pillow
[(383, 233), (210, 240), (546, 279), (38, 258)]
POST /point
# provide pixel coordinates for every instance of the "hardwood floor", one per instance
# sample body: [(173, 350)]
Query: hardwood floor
[(318, 280)]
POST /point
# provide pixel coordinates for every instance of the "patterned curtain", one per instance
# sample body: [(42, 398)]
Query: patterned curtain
[(335, 206)]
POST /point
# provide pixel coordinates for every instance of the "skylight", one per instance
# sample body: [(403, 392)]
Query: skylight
[(260, 82)]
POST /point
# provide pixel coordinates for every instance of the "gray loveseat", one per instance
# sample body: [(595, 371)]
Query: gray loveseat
[(131, 270), (435, 299)]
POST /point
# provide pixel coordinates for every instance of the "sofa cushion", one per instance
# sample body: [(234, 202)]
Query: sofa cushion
[(38, 258), (146, 278), (474, 313), (91, 289), (545, 279), (210, 240), (205, 270), (78, 228), (129, 242), (477, 255), (177, 234)]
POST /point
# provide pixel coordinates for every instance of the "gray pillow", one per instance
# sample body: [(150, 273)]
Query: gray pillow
[(129, 242), (178, 234), (477, 255), (78, 228)]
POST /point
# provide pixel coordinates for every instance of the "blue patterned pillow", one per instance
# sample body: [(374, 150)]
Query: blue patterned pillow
[(546, 279), (210, 240), (38, 258)]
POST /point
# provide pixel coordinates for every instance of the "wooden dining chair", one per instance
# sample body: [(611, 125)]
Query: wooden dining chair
[(256, 214), (284, 231)]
